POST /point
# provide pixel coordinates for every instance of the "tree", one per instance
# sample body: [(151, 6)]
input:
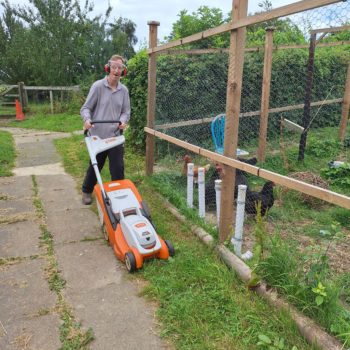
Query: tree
[(57, 43), (204, 18), (123, 37), (285, 31)]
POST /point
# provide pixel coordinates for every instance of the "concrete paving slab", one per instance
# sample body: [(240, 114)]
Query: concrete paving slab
[(19, 133), (72, 224), (59, 192), (36, 153), (24, 290), (16, 206), (14, 187), (35, 333), (39, 137), (105, 299), (20, 239), (46, 169)]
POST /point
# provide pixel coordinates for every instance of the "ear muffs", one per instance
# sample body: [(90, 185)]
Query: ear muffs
[(124, 72), (107, 69)]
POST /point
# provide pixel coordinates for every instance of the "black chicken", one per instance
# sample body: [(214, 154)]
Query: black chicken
[(265, 196), (241, 175), (210, 195)]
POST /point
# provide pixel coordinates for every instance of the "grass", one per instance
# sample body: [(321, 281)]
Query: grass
[(7, 154), (201, 303), (58, 122)]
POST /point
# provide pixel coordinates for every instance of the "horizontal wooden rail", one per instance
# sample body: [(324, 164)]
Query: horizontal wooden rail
[(258, 18), (53, 88), (250, 49), (314, 191), (246, 114), (330, 30)]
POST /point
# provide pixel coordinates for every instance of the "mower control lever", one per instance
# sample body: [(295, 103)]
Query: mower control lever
[(86, 132)]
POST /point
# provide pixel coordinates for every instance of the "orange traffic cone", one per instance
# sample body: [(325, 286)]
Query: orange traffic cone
[(19, 113)]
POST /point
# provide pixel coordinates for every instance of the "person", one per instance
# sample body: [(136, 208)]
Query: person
[(108, 99)]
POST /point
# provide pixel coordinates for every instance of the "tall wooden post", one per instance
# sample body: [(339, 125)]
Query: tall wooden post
[(51, 101), (151, 102), (23, 97), (345, 107), (308, 90), (21, 93), (233, 105), (265, 95)]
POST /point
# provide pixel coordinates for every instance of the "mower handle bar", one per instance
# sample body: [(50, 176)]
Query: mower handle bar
[(86, 132)]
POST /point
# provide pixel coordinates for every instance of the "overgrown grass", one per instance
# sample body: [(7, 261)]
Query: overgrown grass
[(7, 154), (308, 285)]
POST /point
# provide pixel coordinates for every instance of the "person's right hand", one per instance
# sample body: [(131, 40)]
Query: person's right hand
[(87, 124)]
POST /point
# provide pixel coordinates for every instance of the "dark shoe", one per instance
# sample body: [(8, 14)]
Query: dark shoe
[(87, 198)]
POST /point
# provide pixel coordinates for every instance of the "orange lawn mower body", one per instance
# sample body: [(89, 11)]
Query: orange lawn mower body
[(124, 216)]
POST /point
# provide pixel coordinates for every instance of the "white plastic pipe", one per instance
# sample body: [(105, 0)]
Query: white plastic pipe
[(201, 192), (237, 238), (190, 185), (218, 199)]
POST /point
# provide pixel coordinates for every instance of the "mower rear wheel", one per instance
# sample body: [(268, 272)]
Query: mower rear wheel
[(170, 246), (130, 262)]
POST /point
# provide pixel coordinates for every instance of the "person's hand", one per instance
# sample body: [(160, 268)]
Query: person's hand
[(123, 126), (87, 124)]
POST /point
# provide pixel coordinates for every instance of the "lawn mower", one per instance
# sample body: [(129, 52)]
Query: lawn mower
[(124, 216)]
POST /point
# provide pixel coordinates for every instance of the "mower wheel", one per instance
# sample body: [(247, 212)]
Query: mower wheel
[(170, 246), (130, 262)]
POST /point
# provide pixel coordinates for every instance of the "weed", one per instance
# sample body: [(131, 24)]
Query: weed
[(72, 337)]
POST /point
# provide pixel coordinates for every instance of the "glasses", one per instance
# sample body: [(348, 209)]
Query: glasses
[(115, 66)]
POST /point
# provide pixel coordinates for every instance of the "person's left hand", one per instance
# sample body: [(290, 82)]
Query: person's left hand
[(123, 126)]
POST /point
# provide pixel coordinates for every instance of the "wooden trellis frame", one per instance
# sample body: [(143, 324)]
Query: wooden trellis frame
[(237, 28)]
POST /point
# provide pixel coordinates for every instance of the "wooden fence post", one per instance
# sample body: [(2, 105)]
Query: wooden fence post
[(345, 107), (51, 101), (233, 105), (308, 90), (151, 101), (21, 93), (265, 94)]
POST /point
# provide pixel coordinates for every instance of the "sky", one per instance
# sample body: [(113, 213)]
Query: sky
[(164, 11)]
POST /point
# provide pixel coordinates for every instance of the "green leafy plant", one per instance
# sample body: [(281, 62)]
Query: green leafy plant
[(323, 147), (277, 343), (320, 292), (339, 176)]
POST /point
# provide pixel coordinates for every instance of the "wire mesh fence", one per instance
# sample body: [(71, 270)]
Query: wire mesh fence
[(306, 139), (192, 88)]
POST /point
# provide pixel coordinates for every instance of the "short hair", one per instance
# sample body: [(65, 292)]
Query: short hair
[(117, 57)]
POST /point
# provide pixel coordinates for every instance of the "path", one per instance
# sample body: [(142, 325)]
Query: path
[(98, 290)]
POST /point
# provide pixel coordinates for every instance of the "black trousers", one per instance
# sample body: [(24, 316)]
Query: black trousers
[(116, 167)]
